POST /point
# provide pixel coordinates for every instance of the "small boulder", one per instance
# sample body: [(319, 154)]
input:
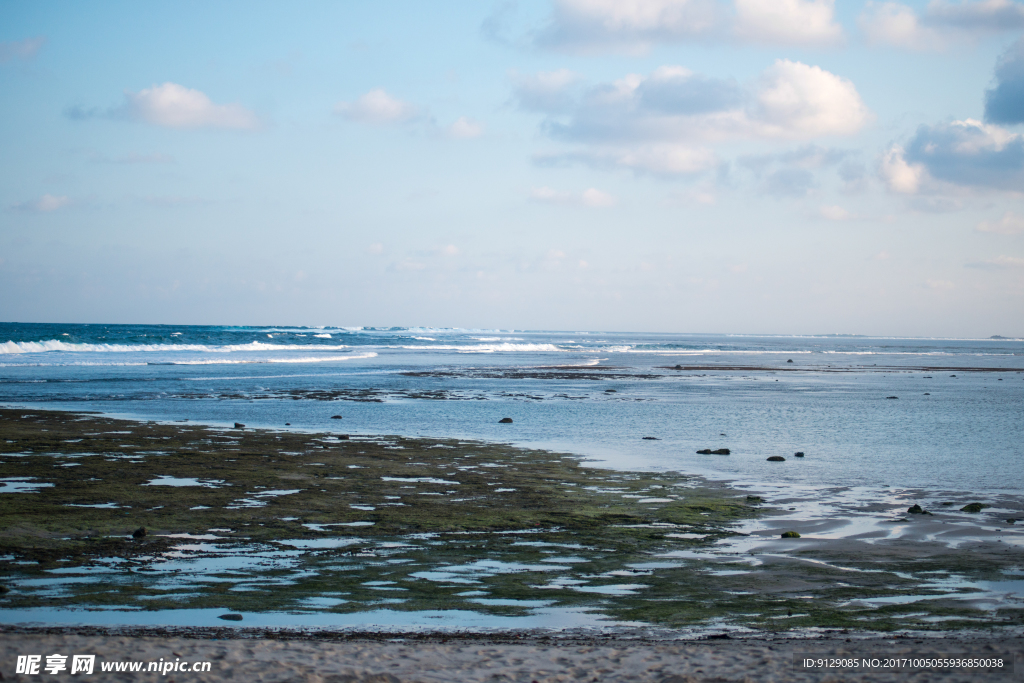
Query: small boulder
[(915, 509), (790, 360), (230, 617), (753, 499), (610, 391), (505, 421), (1011, 521), (948, 502), (678, 367), (335, 417), (651, 438), (790, 534), (721, 451), (239, 425), (287, 424), (776, 458), (973, 507), (891, 397), (139, 533), (343, 437), (704, 451), (798, 454)]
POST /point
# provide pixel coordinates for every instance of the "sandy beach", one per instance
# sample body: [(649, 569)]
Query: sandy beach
[(481, 659)]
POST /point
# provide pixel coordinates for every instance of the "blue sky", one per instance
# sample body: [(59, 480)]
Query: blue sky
[(775, 166)]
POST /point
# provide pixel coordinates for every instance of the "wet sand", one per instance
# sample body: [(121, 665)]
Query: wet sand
[(479, 660)]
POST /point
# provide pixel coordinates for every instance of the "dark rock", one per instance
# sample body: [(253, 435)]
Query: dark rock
[(230, 617), (1009, 521), (335, 417), (927, 394), (753, 499), (719, 636), (239, 425), (343, 437), (3, 589), (651, 438), (505, 421), (790, 534), (704, 451), (139, 533), (287, 424), (610, 391), (790, 360), (679, 367), (721, 434), (776, 458), (892, 396), (948, 502), (915, 509), (798, 454), (721, 451), (974, 507)]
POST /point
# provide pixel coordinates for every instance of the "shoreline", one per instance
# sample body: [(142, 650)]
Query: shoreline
[(747, 569)]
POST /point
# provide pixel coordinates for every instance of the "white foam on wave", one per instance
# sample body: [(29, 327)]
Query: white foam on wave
[(480, 348), (198, 361), (57, 345)]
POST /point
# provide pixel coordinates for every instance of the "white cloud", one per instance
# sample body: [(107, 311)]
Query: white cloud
[(969, 153), (998, 263), (891, 23), (44, 204), (591, 197), (834, 213), (175, 106), (465, 128), (1009, 224), (942, 285), (20, 49), (545, 90), (900, 176), (663, 122), (801, 101), (941, 24), (597, 199), (787, 22), (627, 25), (377, 107)]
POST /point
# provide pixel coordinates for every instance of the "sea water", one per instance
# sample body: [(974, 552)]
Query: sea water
[(942, 414)]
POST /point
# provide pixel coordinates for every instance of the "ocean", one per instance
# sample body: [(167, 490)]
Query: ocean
[(869, 412)]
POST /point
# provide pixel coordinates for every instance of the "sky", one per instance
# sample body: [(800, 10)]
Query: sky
[(719, 166)]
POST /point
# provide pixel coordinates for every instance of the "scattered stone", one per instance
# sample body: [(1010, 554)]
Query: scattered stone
[(3, 589), (230, 617), (336, 417), (678, 367), (927, 394), (974, 507), (753, 499), (892, 396), (610, 391), (651, 438), (139, 533), (239, 425), (947, 502), (790, 360), (505, 421), (790, 534), (704, 451), (915, 509), (721, 434), (717, 451), (343, 437), (287, 424), (798, 454), (776, 458), (719, 636), (1011, 521)]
